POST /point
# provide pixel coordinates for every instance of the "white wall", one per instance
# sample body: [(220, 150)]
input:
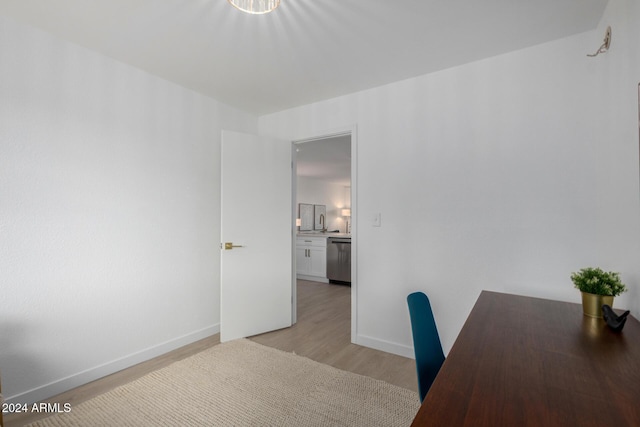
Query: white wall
[(109, 213), (505, 174), (333, 196)]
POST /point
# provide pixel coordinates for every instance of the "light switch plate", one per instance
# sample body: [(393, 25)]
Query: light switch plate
[(377, 219)]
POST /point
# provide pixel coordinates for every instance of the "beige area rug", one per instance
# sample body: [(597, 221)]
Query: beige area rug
[(242, 383)]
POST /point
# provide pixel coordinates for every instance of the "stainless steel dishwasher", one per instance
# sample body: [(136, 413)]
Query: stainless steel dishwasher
[(339, 260)]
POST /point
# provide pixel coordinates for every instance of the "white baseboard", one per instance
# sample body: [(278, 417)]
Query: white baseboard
[(56, 387), (386, 346)]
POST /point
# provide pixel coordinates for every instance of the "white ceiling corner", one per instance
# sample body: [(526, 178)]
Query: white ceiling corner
[(306, 50)]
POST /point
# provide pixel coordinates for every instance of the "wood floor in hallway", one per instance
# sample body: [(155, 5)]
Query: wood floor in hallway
[(323, 334)]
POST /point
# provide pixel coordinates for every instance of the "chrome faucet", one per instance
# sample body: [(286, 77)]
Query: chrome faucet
[(324, 227)]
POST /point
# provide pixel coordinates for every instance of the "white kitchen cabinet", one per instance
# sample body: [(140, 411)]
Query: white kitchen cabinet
[(311, 258)]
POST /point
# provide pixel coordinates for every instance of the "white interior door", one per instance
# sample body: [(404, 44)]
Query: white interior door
[(256, 276)]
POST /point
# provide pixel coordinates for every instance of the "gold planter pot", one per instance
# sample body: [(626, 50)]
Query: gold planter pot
[(592, 304)]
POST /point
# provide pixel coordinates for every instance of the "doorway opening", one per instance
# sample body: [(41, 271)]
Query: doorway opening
[(324, 203)]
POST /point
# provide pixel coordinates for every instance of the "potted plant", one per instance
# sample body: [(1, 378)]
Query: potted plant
[(598, 287)]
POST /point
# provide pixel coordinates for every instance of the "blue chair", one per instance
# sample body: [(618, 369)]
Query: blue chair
[(426, 341)]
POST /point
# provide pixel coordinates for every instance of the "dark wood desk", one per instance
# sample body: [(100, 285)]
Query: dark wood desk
[(521, 361)]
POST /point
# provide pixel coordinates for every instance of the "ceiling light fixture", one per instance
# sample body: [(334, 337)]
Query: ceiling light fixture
[(256, 7)]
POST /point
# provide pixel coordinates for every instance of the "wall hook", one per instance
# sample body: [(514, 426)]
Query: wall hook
[(605, 45)]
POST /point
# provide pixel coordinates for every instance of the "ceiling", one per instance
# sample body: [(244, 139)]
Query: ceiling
[(307, 50), (326, 159)]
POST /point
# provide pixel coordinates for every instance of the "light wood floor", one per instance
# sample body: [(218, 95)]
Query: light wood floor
[(322, 333)]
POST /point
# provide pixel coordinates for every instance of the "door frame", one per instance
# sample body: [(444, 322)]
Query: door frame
[(353, 132)]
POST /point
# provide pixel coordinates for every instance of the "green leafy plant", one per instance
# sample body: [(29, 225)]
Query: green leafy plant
[(596, 281)]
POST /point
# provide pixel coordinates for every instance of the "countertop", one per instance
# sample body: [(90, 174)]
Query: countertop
[(324, 234)]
